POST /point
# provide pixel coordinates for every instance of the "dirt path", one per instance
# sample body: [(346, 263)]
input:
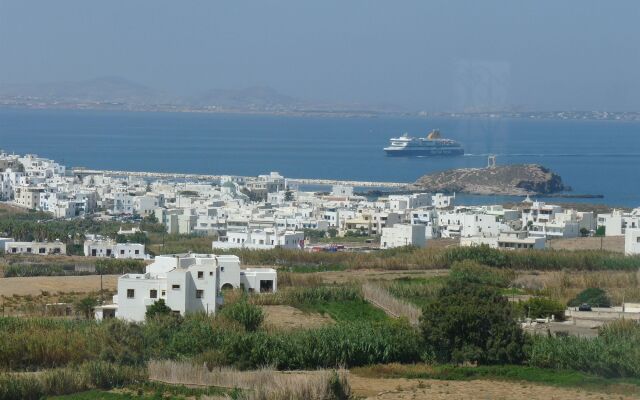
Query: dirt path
[(396, 389), (55, 284)]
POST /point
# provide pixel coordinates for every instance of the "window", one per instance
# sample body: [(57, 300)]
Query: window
[(175, 287), (210, 273), (221, 269), (266, 286), (131, 293), (42, 250), (121, 251), (199, 294), (200, 275), (137, 251), (153, 294), (164, 293)]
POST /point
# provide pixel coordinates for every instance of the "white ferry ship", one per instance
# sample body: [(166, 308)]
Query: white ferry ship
[(432, 145)]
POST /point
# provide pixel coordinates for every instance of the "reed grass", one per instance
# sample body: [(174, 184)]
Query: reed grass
[(613, 354), (61, 381), (565, 285), (440, 258), (264, 383), (380, 297), (313, 294)]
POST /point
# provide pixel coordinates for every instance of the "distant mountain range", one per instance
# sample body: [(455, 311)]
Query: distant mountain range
[(115, 92), (106, 89), (254, 97)]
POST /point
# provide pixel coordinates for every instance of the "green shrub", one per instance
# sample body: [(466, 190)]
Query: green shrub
[(86, 306), (27, 270), (14, 387), (540, 307), (314, 234), (115, 266), (593, 296), (472, 272), (105, 266), (159, 308), (28, 227), (121, 342), (470, 320), (248, 315)]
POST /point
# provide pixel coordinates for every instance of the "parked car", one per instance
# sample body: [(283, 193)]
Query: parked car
[(584, 307)]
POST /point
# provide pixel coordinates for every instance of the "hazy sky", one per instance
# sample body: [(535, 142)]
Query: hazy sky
[(423, 54)]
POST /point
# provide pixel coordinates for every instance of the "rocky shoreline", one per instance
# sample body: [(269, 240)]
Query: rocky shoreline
[(507, 180)]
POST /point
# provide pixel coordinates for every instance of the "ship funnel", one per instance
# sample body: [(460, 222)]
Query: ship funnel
[(434, 134)]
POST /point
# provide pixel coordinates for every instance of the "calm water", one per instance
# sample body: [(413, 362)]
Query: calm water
[(596, 157)]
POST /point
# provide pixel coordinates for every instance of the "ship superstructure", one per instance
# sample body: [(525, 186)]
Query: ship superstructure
[(432, 145)]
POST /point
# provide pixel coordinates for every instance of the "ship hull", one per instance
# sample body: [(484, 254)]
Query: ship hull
[(424, 152)]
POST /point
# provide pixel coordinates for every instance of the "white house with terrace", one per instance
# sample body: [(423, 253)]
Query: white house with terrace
[(109, 248), (187, 283), (260, 239)]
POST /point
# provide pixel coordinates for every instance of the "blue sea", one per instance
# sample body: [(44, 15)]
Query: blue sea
[(593, 157)]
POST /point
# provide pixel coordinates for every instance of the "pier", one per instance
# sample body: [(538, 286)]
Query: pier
[(205, 177)]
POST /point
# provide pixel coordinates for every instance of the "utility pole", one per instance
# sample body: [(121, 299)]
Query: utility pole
[(101, 292)]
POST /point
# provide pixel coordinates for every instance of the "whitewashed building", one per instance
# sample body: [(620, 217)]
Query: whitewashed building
[(506, 240), (409, 201), (187, 283), (109, 248), (616, 222), (4, 241), (122, 203), (403, 235), (146, 204), (39, 248), (552, 222), (260, 239), (632, 241), (440, 200), (342, 191)]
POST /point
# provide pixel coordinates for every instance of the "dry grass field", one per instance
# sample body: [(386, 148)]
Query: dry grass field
[(312, 384), (8, 209), (55, 284), (287, 318), (397, 389), (609, 243)]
